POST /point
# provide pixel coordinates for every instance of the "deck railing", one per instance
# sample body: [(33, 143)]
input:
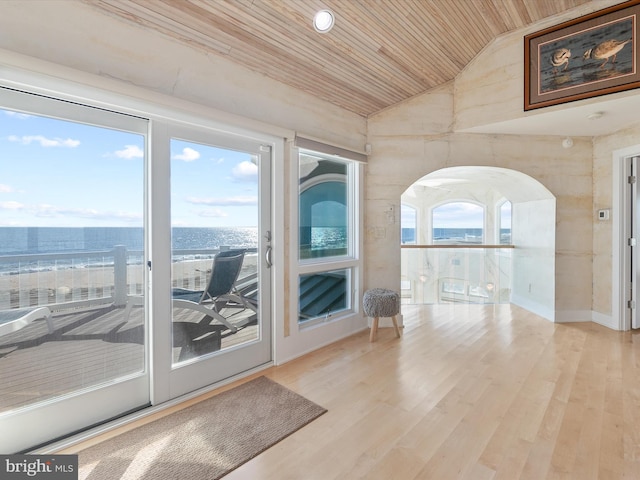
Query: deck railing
[(63, 280), (430, 274), (460, 273)]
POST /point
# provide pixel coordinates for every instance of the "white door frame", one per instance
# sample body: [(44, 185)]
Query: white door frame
[(42, 421), (620, 262), (169, 380)]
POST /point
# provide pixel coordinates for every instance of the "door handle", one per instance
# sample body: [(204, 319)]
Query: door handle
[(267, 256)]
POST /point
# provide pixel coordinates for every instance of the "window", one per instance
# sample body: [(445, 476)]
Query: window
[(334, 297), (327, 238), (408, 225), (205, 225), (505, 223), (323, 207), (72, 242), (458, 223)]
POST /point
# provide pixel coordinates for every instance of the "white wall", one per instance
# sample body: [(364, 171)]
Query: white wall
[(606, 187), (533, 265)]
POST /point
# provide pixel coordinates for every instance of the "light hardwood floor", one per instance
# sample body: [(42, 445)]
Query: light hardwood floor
[(468, 392)]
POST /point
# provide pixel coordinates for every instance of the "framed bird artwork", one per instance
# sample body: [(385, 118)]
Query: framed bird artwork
[(593, 55)]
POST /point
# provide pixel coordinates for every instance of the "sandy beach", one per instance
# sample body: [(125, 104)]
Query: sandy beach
[(64, 285)]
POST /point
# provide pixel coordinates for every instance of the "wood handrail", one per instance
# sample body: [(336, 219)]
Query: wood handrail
[(458, 246)]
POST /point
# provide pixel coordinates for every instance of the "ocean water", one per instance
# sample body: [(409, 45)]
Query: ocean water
[(457, 234), (328, 237), (453, 235), (32, 240), (15, 241)]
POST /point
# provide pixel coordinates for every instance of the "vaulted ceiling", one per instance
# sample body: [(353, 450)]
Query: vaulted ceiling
[(379, 52)]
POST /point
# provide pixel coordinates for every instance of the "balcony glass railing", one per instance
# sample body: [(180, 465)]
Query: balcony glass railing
[(433, 274), (61, 280)]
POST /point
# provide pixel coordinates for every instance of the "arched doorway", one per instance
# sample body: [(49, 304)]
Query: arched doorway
[(506, 257)]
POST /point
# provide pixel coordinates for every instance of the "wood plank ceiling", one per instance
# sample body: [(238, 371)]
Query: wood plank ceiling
[(378, 53)]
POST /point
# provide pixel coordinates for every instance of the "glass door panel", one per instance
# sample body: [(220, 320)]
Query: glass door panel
[(219, 327), (72, 254)]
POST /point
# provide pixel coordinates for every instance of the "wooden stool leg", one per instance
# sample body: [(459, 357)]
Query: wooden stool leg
[(374, 329), (395, 325)]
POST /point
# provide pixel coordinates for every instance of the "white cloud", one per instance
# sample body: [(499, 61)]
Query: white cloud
[(215, 213), (225, 201), (15, 213), (44, 141), (129, 152), (220, 160), (245, 171), (45, 210), (5, 188), (187, 155), (458, 215), (18, 115), (11, 205), (12, 223), (180, 223)]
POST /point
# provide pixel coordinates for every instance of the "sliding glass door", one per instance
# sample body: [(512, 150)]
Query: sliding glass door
[(72, 254), (100, 240)]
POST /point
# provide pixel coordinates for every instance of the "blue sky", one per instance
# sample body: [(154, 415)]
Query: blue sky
[(58, 173), (212, 187)]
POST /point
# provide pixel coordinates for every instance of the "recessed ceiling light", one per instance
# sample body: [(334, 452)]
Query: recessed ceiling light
[(323, 21)]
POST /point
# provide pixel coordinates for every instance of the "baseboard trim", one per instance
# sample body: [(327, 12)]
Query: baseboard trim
[(534, 307), (605, 320)]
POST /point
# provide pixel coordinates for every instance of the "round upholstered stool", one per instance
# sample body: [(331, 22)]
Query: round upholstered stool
[(381, 302)]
